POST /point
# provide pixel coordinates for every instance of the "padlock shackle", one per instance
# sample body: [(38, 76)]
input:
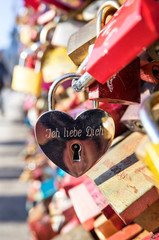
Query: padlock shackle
[(45, 31), (110, 4), (147, 117), (24, 54), (54, 86)]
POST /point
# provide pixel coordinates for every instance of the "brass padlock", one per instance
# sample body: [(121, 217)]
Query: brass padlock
[(26, 79), (103, 16), (55, 61), (79, 42)]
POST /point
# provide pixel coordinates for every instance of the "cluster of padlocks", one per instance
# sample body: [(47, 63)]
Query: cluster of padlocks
[(90, 71)]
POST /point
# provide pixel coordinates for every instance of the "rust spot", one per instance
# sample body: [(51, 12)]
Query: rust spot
[(135, 189), (149, 178), (140, 169), (129, 148), (122, 175)]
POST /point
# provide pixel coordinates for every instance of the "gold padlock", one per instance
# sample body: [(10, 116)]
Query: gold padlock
[(26, 79), (55, 61), (79, 42)]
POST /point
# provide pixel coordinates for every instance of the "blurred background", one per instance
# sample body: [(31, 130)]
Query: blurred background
[(34, 198)]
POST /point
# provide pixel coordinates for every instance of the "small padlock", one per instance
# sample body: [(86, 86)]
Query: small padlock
[(74, 145), (63, 32), (124, 87), (79, 42), (90, 12), (131, 118), (108, 8), (151, 125), (112, 49), (55, 61), (26, 79)]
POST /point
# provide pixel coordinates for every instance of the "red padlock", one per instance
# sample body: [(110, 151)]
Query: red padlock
[(123, 88), (133, 28), (116, 111), (33, 3)]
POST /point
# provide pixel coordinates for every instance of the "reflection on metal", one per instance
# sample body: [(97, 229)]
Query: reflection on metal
[(74, 145), (56, 132)]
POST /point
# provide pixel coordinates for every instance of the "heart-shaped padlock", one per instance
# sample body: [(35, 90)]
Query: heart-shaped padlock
[(74, 145)]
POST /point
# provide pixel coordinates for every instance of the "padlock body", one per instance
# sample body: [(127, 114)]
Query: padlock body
[(55, 63), (26, 80), (123, 88), (133, 28), (79, 42)]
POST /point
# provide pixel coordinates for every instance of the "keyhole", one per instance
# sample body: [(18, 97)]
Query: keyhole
[(76, 148)]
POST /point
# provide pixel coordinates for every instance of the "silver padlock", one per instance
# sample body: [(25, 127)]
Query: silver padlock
[(74, 145)]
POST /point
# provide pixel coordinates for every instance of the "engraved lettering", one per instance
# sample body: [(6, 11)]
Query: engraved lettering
[(56, 134), (48, 133), (64, 132), (101, 131), (97, 132), (90, 132), (52, 134), (71, 133), (79, 133)]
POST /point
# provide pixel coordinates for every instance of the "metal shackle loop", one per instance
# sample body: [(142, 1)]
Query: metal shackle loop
[(147, 117), (110, 5), (86, 79), (54, 86), (24, 54), (45, 31)]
